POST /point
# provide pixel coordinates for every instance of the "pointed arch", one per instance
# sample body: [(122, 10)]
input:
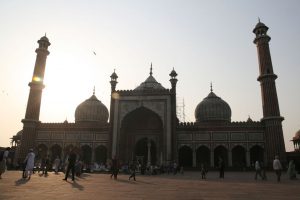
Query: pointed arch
[(203, 156), (220, 152), (238, 157), (101, 154)]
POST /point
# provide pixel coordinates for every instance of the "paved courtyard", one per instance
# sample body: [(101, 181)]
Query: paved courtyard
[(236, 185)]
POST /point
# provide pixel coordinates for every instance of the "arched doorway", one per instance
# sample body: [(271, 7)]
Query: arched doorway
[(203, 156), (86, 154), (101, 154), (42, 151), (141, 151), (55, 151), (185, 156), (256, 153), (239, 157), (136, 126), (220, 152)]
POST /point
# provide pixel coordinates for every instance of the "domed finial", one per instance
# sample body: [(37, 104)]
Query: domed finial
[(45, 34), (211, 89), (258, 20), (151, 69), (94, 91)]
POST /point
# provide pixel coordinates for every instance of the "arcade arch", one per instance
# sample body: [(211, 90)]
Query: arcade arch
[(203, 156), (185, 156), (137, 129)]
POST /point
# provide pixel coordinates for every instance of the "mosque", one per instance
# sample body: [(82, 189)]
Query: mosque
[(141, 124)]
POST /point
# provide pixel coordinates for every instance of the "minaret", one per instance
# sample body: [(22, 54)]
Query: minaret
[(35, 96), (113, 98), (271, 114), (173, 81)]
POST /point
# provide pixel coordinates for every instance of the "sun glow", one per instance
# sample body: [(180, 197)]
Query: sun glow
[(70, 80), (37, 79)]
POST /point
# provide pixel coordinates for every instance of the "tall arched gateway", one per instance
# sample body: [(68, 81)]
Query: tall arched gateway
[(141, 134)]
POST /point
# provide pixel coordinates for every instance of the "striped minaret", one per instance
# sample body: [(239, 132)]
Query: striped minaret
[(34, 100), (271, 114)]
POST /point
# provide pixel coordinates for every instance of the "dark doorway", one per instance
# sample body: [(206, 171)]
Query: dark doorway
[(86, 156), (220, 152), (239, 157), (256, 153), (42, 151), (185, 156), (141, 150), (101, 154), (136, 126), (203, 156), (56, 152)]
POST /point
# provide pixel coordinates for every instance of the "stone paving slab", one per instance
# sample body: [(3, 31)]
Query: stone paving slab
[(236, 185)]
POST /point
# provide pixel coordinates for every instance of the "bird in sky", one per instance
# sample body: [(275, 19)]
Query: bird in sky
[(94, 52)]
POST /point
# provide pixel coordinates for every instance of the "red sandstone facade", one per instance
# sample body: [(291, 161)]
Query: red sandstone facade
[(143, 124)]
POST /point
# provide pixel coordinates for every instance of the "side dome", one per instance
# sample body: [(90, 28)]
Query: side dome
[(91, 110), (213, 108)]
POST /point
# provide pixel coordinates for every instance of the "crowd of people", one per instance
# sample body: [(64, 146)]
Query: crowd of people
[(74, 165)]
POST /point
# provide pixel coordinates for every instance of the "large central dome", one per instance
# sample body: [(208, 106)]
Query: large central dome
[(213, 108), (91, 110)]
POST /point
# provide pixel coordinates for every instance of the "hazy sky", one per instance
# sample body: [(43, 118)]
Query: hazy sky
[(205, 41)]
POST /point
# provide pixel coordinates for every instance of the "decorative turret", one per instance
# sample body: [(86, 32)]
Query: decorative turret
[(271, 114), (113, 81), (173, 79)]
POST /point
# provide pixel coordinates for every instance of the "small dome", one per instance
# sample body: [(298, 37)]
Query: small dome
[(297, 135), (150, 83), (44, 38), (114, 75), (249, 119), (91, 110), (260, 25), (173, 73), (212, 108)]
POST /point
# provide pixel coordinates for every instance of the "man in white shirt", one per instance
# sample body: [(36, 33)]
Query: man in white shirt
[(277, 167)]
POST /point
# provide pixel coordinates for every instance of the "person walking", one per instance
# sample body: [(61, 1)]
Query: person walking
[(56, 164), (4, 161), (115, 168), (71, 165), (257, 170), (29, 160), (133, 171), (203, 171), (277, 167), (291, 170), (263, 171), (221, 167), (175, 166), (45, 165)]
